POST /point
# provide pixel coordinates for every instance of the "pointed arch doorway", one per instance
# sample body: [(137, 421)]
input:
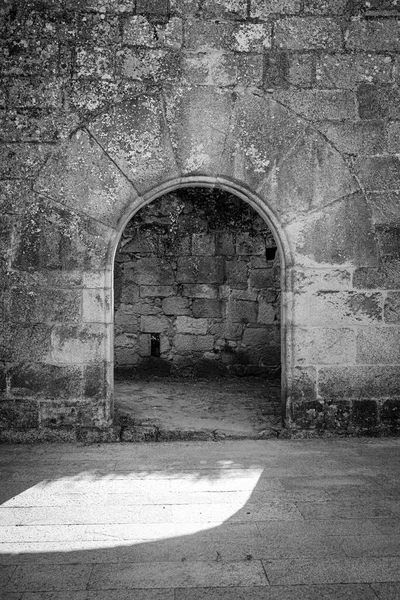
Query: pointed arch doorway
[(199, 343)]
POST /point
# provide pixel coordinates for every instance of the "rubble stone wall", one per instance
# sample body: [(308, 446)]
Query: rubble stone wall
[(197, 290), (293, 105)]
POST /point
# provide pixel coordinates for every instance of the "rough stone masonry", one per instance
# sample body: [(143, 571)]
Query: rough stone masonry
[(291, 105)]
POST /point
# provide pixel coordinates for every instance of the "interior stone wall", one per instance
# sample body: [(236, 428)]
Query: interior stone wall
[(106, 105), (197, 290)]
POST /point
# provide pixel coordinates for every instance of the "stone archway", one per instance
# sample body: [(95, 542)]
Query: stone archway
[(259, 207)]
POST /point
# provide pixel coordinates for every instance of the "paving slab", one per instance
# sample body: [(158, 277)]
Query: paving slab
[(227, 520)]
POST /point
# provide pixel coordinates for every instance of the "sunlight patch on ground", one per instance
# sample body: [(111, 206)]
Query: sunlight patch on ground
[(120, 509)]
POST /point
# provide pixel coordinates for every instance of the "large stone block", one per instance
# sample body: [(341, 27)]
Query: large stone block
[(43, 305), (201, 290), (82, 176), (96, 306), (378, 102), (389, 240), (241, 311), (203, 244), (229, 9), (373, 35), (341, 71), (308, 33), (186, 344), (359, 381), (177, 305), (191, 325), (20, 342), (159, 291), (23, 160), (259, 9), (236, 273), (231, 69), (207, 309), (362, 137), (319, 105), (312, 175), (49, 381), (200, 270), (322, 279), (378, 345), (52, 238), (325, 346), (79, 344), (150, 271), (379, 173), (139, 31), (339, 234), (392, 308), (345, 308), (134, 136), (154, 324), (18, 414), (264, 278), (325, 7), (302, 384), (365, 415), (262, 133), (262, 335), (198, 119), (95, 382)]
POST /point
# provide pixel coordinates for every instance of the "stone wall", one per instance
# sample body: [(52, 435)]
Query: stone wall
[(197, 286), (293, 105)]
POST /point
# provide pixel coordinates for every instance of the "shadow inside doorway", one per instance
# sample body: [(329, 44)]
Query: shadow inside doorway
[(200, 409)]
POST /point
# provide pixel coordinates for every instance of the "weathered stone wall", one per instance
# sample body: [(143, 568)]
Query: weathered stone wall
[(197, 289), (291, 104)]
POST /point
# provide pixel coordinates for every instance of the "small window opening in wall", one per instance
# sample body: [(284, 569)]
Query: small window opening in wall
[(155, 345), (270, 253)]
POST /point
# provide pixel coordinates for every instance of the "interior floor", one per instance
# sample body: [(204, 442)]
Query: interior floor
[(166, 408)]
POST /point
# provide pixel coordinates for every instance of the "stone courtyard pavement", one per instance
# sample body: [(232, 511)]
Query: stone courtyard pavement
[(229, 520)]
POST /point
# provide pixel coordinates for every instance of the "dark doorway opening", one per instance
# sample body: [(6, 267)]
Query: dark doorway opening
[(197, 319)]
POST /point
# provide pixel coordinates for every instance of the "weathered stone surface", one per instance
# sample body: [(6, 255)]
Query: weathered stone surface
[(241, 311), (186, 344), (379, 173), (342, 71), (191, 325), (161, 291), (358, 381), (365, 415), (204, 308), (377, 102), (176, 305), (322, 279), (135, 138), (21, 343), (49, 381), (302, 384), (18, 414), (203, 290), (345, 308), (79, 344), (82, 176), (154, 324), (262, 132), (312, 175), (198, 120), (325, 346), (204, 270), (378, 345), (390, 415), (392, 307), (319, 105), (340, 234), (308, 33), (22, 160), (393, 133), (362, 138), (259, 9), (96, 306), (374, 35), (325, 7), (236, 273), (44, 305), (138, 31), (150, 271)]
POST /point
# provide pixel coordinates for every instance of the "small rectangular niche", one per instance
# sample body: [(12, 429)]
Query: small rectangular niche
[(155, 345)]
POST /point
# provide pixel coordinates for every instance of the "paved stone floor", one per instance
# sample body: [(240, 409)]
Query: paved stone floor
[(233, 408), (230, 520)]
